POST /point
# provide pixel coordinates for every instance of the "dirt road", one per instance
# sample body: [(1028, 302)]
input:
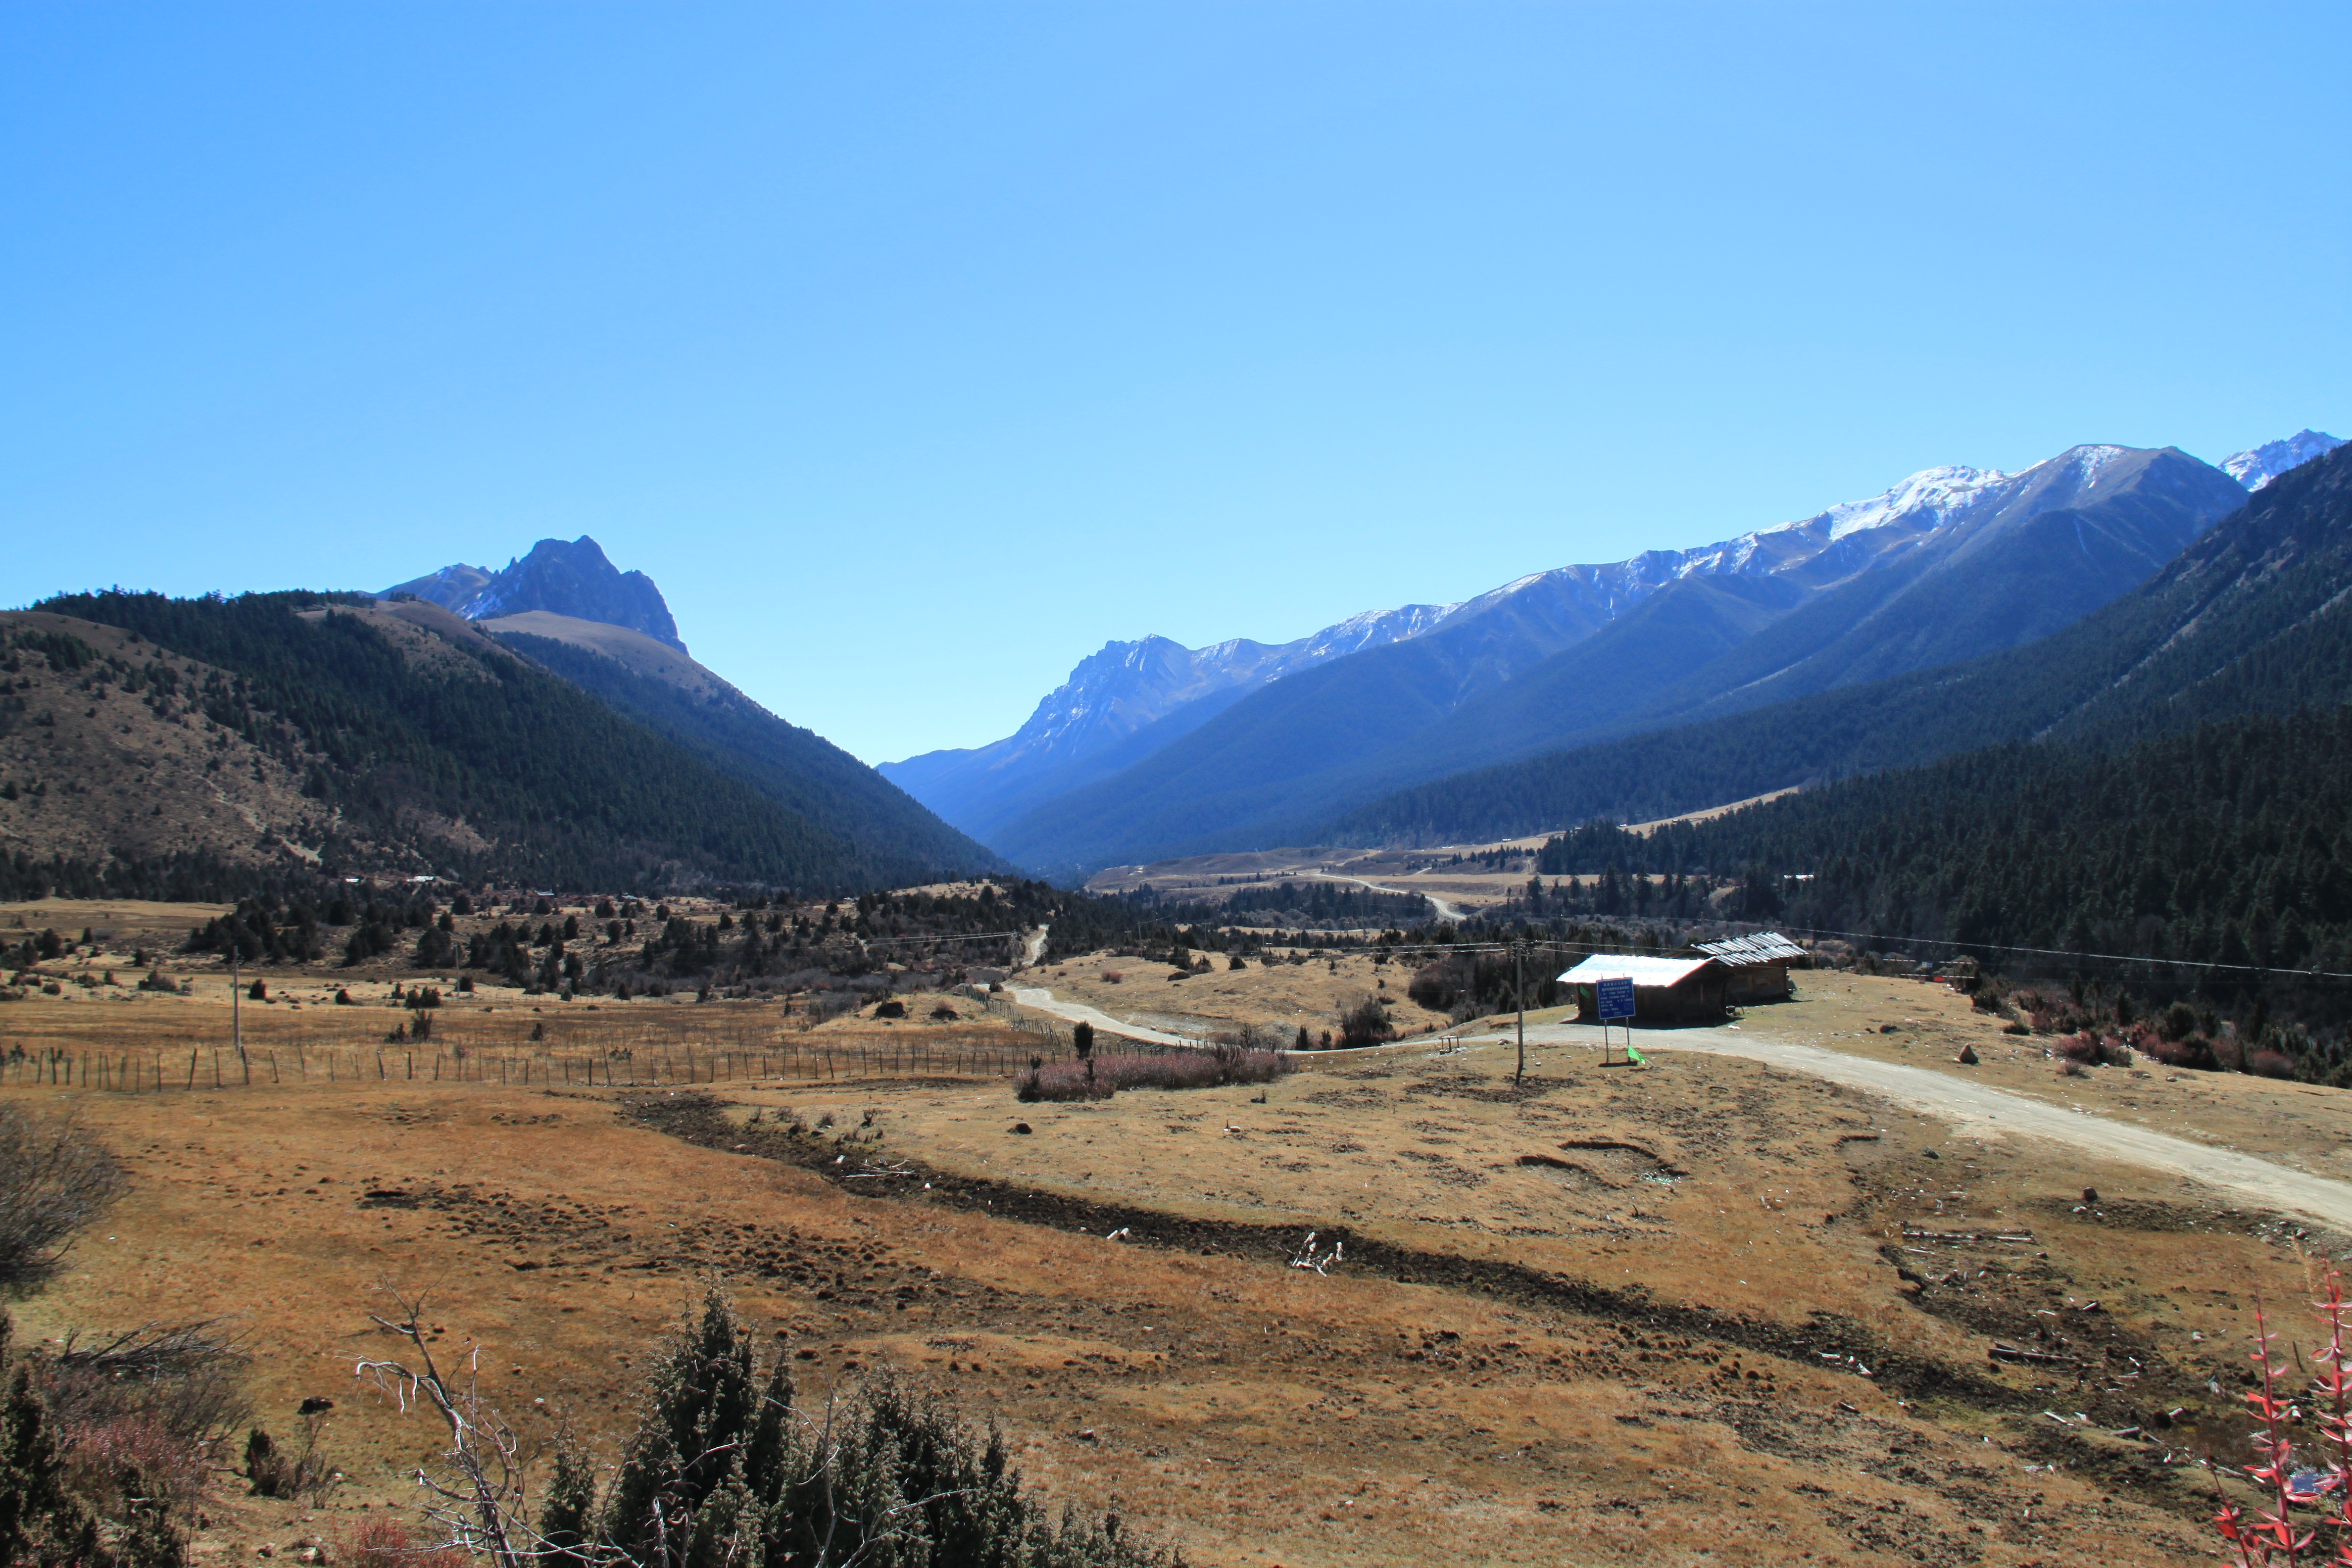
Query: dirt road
[(1445, 911), (1982, 1111), (1038, 997), (1974, 1109)]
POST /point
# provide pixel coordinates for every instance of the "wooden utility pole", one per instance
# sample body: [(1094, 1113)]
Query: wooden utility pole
[(1519, 992), (235, 1003)]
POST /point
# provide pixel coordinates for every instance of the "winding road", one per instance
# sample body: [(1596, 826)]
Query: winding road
[(1970, 1109)]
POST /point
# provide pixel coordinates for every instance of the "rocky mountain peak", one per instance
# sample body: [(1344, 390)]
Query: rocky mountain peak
[(563, 578), (2259, 465)]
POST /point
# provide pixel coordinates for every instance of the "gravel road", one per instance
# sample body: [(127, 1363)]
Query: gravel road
[(1968, 1108), (1976, 1109)]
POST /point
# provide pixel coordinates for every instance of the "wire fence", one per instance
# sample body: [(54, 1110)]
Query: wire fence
[(150, 1070)]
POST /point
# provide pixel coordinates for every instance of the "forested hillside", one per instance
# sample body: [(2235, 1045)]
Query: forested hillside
[(2230, 843), (1326, 906), (420, 745), (794, 767), (2251, 618)]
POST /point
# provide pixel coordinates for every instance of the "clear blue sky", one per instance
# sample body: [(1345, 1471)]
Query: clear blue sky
[(918, 350)]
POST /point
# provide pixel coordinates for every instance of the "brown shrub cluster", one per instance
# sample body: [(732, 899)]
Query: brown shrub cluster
[(1099, 1077)]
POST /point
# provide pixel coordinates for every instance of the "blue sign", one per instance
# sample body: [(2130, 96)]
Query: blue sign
[(1615, 995)]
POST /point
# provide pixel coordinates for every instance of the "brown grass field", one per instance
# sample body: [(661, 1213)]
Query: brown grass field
[(1609, 1316)]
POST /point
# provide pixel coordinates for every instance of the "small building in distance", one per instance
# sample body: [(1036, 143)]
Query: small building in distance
[(1665, 990), (1760, 965)]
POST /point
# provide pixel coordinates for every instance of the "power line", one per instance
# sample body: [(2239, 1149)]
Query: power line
[(2071, 952)]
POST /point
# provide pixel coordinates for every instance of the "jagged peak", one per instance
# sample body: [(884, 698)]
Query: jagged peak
[(2258, 465)]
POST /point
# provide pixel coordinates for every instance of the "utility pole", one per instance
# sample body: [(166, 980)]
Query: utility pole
[(236, 1002), (1520, 990)]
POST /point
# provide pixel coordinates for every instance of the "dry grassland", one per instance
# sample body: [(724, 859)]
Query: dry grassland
[(1610, 1316), (1283, 995)]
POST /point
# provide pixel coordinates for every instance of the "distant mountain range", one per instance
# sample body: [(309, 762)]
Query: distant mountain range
[(574, 579), (1150, 749), (2253, 618)]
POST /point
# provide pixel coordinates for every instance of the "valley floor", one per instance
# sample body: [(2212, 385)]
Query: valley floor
[(1609, 1315)]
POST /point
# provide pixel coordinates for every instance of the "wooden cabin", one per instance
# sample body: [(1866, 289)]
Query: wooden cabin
[(1760, 965), (1665, 990)]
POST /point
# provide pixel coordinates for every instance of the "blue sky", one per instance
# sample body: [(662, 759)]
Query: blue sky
[(916, 351)]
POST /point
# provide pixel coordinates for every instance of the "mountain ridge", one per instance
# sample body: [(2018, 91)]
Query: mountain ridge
[(1167, 692), (566, 578), (1952, 563), (2253, 619), (171, 746)]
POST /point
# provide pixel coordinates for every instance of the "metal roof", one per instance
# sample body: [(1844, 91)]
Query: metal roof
[(1645, 972), (1764, 947)]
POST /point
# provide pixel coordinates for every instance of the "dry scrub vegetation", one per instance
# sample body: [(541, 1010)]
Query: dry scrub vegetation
[(1606, 1316)]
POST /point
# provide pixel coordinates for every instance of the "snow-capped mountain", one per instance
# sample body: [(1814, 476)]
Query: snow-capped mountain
[(2266, 462), (1848, 562)]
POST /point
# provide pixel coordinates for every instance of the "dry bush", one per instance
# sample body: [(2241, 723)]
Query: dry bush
[(2269, 1063), (2093, 1051), (55, 1178), (142, 1417), (382, 1542), (276, 1472), (1100, 1076), (2195, 1053)]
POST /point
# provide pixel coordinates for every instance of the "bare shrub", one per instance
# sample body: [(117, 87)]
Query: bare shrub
[(275, 1471), (2195, 1053), (2093, 1051), (2268, 1063), (131, 1429), (55, 1178), (158, 1401), (1219, 1065)]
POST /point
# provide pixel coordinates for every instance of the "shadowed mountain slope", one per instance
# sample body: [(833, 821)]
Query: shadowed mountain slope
[(798, 768), (2253, 618), (382, 739), (1955, 563)]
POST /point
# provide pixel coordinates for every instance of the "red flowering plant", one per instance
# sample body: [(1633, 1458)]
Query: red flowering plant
[(2271, 1535)]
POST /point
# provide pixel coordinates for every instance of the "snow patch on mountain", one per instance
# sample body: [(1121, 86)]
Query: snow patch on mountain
[(2258, 466)]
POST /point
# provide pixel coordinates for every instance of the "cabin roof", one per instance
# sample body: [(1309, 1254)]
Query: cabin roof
[(1764, 947), (1644, 972)]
